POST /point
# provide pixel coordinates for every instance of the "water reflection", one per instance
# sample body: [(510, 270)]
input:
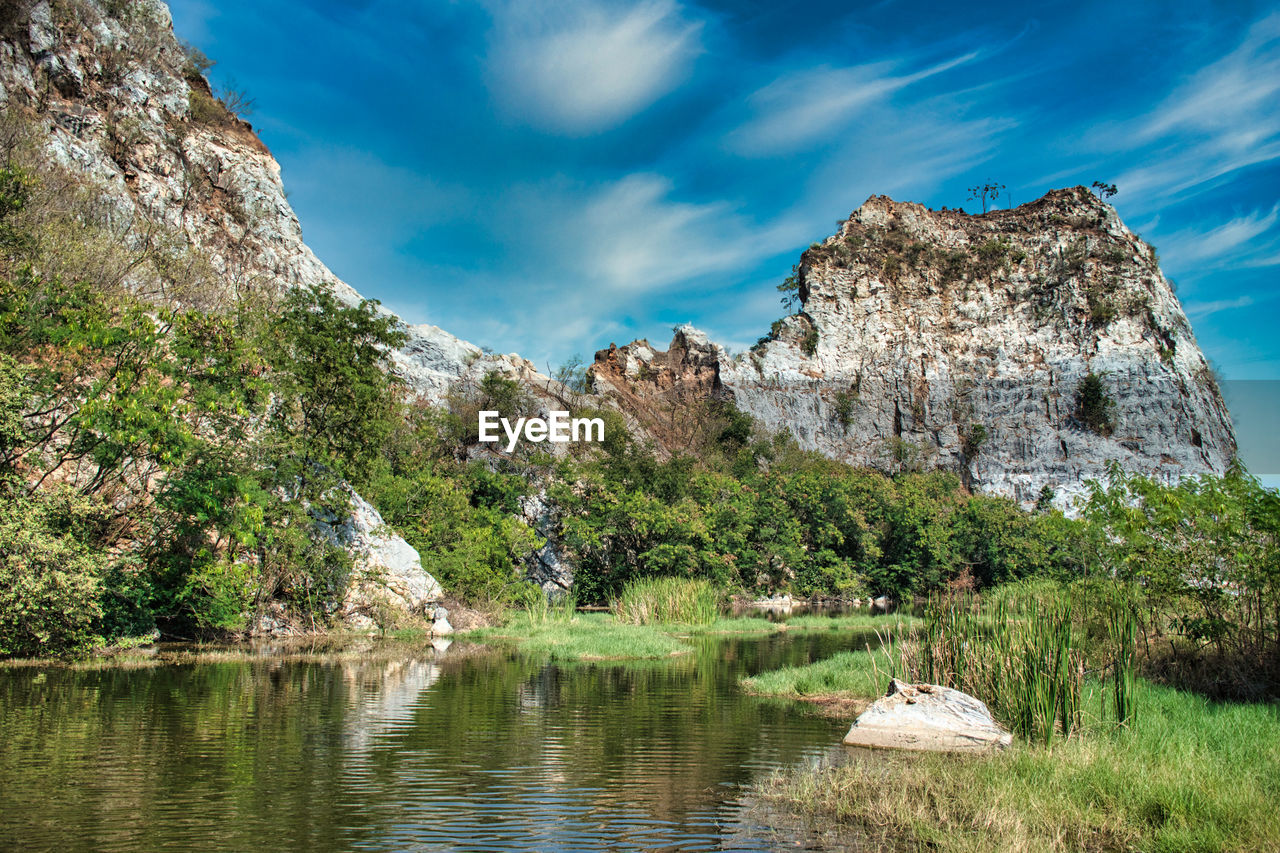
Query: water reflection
[(421, 749)]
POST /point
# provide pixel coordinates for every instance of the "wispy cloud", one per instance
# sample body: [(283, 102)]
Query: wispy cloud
[(1199, 310), (805, 107), (634, 235), (1223, 118), (1231, 244), (580, 66)]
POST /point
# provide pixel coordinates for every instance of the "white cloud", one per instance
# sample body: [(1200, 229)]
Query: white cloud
[(593, 263), (632, 236), (1223, 118), (637, 238), (1231, 244), (581, 66), (806, 107), (1196, 310)]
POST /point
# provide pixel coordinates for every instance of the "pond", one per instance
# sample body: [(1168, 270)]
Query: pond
[(397, 747)]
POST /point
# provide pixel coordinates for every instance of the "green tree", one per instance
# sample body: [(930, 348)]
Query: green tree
[(790, 289), (330, 363)]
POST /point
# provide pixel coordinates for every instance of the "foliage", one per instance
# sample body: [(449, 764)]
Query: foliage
[(49, 575), (990, 191), (211, 441), (1104, 190), (790, 290), (972, 439), (330, 363), (1207, 554), (1094, 407), (842, 407), (809, 343), (573, 375), (666, 600)]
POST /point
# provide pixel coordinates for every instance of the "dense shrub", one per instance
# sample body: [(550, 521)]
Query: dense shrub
[(1207, 555), (49, 576)]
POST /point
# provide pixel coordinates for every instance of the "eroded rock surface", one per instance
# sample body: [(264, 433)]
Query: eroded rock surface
[(928, 718), (387, 570), (935, 339)]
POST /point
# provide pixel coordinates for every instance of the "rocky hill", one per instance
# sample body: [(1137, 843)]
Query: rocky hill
[(117, 99), (1022, 348)]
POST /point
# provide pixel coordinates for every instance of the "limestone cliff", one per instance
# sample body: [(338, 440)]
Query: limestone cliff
[(117, 99), (1022, 348)]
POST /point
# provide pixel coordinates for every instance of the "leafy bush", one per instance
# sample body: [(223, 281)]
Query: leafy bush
[(1207, 554), (49, 578), (809, 343), (1094, 408)]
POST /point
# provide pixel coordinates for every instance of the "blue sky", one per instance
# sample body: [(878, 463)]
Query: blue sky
[(549, 177)]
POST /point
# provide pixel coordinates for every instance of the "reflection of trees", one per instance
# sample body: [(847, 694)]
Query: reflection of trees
[(385, 753)]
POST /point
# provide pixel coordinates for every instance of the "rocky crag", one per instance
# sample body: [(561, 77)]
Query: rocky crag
[(116, 98), (923, 339), (1022, 348), (108, 94)]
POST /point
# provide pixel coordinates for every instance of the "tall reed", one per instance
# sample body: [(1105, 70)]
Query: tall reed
[(664, 600), (540, 609), (1025, 666), (1122, 631)]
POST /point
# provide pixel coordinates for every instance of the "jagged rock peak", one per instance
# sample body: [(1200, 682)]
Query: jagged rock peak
[(691, 363), (114, 97), (1022, 348)]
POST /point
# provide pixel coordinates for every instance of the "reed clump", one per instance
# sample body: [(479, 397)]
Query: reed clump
[(541, 609), (1026, 653), (666, 600)]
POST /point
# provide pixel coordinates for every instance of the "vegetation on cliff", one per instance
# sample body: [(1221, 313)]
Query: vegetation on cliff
[(165, 455)]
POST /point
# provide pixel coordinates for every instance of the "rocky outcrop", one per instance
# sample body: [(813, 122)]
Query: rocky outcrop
[(386, 573), (115, 98), (550, 566), (936, 339), (927, 718)]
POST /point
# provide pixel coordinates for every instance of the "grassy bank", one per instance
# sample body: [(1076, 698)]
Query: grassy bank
[(601, 636), (846, 676), (1192, 775), (585, 636)]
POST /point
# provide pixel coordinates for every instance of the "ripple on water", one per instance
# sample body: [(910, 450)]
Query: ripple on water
[(415, 752)]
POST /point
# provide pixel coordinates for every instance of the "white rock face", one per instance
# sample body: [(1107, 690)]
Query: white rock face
[(550, 566), (927, 718), (941, 340), (387, 570), (919, 326)]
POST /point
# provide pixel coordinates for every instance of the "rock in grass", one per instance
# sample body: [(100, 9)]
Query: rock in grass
[(928, 718)]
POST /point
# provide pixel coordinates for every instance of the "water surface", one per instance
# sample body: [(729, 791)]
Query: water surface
[(404, 748)]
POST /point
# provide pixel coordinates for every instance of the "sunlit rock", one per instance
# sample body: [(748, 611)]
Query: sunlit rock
[(929, 718)]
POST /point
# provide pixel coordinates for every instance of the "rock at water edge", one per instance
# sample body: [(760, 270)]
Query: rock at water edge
[(929, 718)]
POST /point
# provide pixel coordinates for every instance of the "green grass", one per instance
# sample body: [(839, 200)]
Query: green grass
[(664, 600), (1189, 775), (845, 675), (601, 636), (585, 637)]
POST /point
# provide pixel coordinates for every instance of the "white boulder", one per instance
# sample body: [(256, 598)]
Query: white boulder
[(928, 718)]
